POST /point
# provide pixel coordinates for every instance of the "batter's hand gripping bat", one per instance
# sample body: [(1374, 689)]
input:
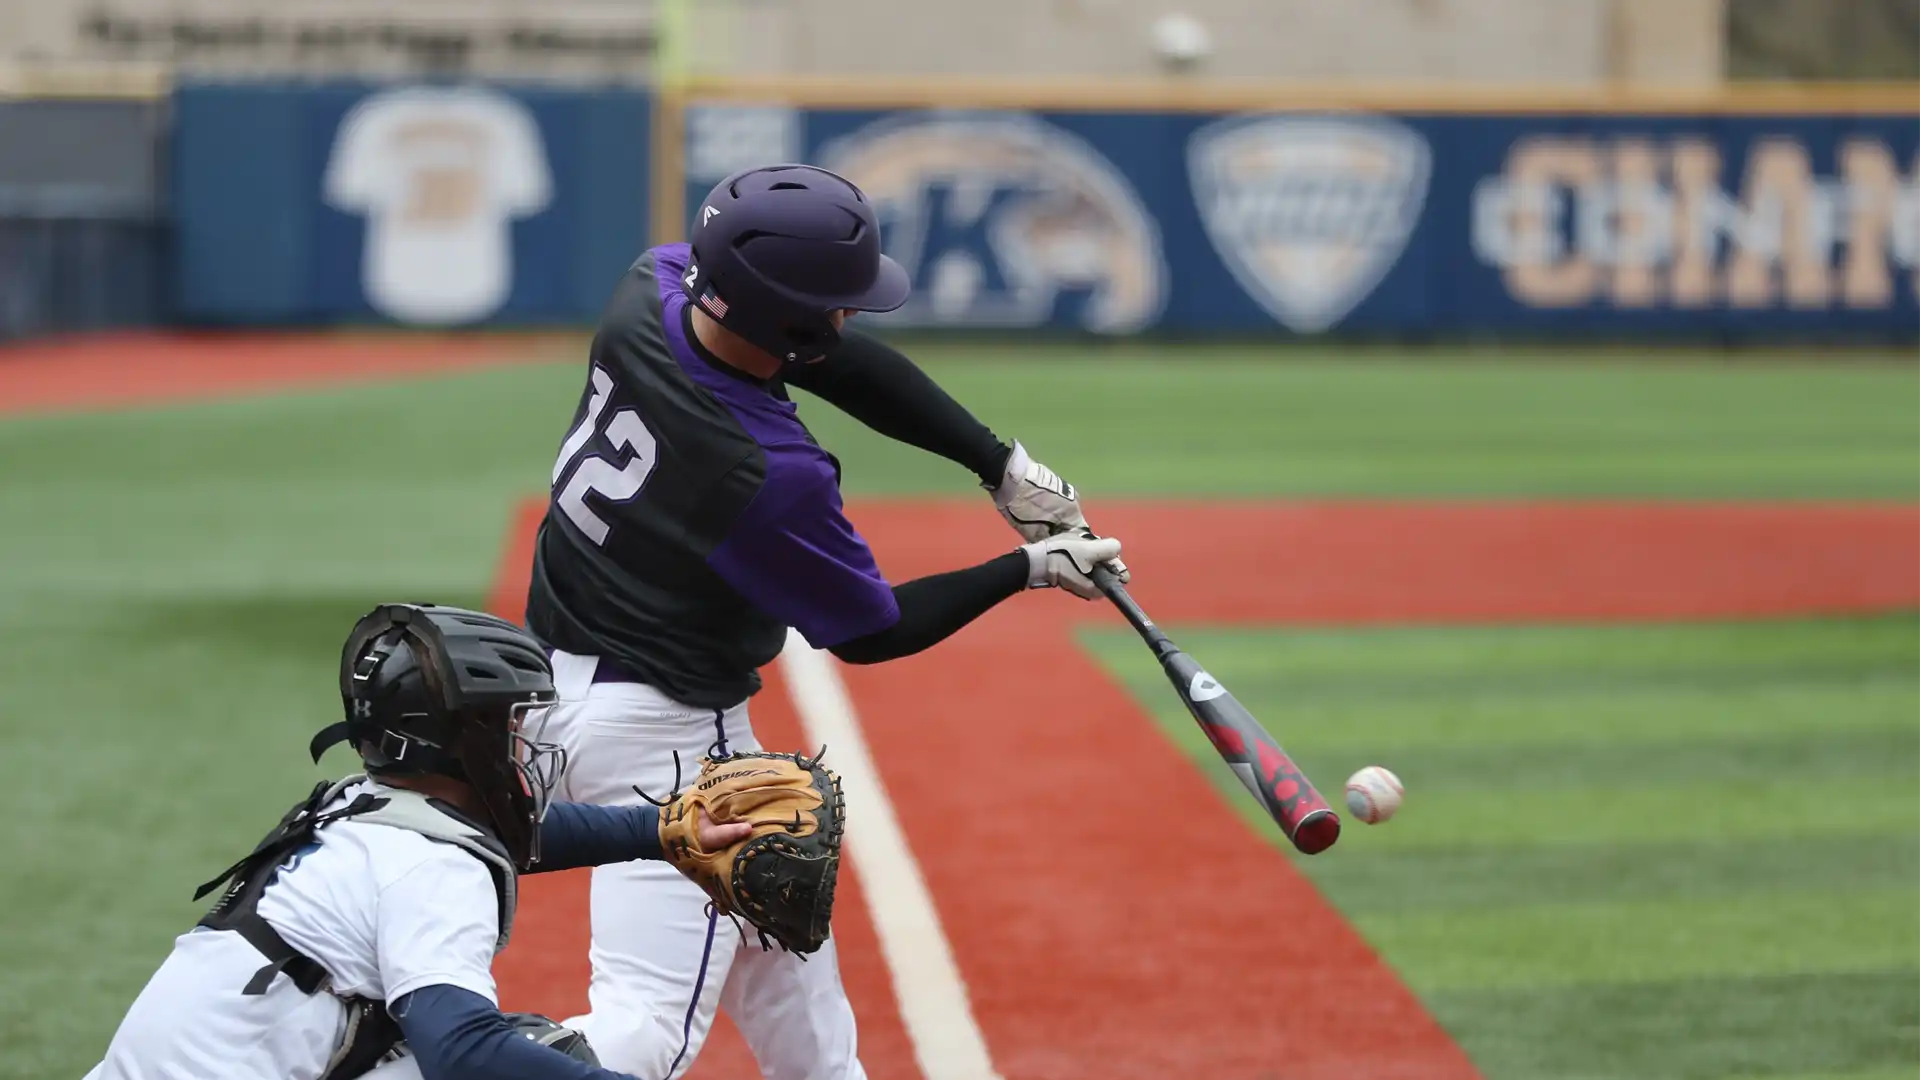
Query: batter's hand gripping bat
[(1281, 788)]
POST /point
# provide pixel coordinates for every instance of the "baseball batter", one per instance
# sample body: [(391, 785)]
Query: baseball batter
[(694, 520), (372, 913)]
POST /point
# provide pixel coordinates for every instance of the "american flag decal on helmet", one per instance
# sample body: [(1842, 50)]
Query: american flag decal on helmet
[(714, 305)]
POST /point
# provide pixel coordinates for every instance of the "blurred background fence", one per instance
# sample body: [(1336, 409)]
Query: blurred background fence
[(1405, 168), (83, 232)]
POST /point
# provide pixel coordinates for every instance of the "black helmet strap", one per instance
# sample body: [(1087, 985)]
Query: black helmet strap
[(364, 726)]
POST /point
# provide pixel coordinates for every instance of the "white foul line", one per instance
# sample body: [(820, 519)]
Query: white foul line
[(933, 998)]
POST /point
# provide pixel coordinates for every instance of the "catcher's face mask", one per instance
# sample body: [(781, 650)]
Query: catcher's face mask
[(514, 774), (539, 764)]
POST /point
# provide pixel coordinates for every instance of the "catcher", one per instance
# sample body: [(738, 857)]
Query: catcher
[(357, 938)]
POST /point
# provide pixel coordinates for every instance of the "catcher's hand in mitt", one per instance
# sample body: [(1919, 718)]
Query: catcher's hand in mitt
[(781, 877)]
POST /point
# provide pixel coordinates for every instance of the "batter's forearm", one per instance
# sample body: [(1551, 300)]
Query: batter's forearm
[(872, 382), (934, 608), (577, 834)]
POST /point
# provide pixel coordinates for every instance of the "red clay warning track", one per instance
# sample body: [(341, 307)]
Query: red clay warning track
[(112, 370), (1110, 950)]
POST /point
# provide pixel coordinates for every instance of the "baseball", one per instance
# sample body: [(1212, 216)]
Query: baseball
[(1373, 794)]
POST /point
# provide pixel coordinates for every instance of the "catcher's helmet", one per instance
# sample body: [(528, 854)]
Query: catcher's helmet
[(445, 691), (777, 250)]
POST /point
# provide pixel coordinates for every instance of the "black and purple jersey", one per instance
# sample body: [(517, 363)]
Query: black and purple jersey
[(693, 518)]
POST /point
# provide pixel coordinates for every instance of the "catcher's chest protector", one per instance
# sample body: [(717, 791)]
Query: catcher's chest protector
[(371, 1034)]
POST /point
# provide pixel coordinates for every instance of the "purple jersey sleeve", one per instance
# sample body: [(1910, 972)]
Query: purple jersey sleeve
[(795, 555)]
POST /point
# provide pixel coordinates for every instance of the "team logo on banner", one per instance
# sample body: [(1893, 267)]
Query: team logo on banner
[(439, 173), (1309, 212), (1003, 220)]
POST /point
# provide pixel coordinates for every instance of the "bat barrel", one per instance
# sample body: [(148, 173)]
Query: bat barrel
[(1249, 750), (1316, 832)]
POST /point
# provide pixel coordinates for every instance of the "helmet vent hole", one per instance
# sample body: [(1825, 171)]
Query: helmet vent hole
[(480, 672), (787, 185)]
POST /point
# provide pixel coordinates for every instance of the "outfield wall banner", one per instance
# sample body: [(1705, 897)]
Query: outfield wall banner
[(1727, 227), (419, 204)]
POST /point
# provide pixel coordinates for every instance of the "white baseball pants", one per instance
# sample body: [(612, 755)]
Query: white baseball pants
[(661, 964)]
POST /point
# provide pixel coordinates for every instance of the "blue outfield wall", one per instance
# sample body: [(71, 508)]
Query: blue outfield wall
[(415, 204), (457, 205), (1614, 226)]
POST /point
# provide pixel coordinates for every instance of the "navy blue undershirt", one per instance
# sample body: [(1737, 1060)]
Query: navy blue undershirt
[(456, 1034), (577, 834)]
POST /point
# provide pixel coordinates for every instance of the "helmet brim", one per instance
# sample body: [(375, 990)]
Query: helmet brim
[(889, 289)]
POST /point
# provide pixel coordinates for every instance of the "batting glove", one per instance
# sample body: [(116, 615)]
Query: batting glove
[(1038, 503), (1067, 561)]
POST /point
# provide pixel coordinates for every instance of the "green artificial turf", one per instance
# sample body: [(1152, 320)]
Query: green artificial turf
[(1846, 1026), (1232, 422), (1627, 852), (175, 582)]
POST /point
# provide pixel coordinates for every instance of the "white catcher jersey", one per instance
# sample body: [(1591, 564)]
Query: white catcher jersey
[(385, 911)]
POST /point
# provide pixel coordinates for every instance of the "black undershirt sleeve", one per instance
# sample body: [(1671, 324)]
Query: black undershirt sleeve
[(872, 382), (933, 608)]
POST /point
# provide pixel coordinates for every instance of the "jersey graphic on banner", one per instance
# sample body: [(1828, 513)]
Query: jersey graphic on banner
[(1005, 220), (1309, 212), (439, 173)]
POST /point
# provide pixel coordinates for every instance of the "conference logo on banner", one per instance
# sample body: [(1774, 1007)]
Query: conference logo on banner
[(1309, 213), (439, 173), (1637, 221), (1005, 220)]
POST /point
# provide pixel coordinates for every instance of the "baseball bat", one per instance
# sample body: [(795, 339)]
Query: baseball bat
[(1254, 755)]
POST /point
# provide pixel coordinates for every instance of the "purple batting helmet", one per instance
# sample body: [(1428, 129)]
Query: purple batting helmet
[(778, 249)]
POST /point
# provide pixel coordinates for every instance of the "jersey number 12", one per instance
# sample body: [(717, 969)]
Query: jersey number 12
[(615, 483)]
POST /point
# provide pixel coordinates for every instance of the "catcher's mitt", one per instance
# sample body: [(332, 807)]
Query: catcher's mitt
[(781, 877)]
